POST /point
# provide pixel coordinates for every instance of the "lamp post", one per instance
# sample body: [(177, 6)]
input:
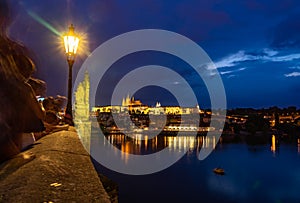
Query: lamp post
[(71, 42)]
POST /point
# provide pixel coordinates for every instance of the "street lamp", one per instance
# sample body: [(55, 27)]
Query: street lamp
[(71, 42)]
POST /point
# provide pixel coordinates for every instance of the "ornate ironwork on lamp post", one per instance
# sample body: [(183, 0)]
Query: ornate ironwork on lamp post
[(71, 41)]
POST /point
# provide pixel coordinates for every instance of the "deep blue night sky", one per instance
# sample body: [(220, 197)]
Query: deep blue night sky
[(254, 44)]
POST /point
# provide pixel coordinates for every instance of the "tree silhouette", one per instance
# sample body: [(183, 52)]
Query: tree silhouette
[(256, 123)]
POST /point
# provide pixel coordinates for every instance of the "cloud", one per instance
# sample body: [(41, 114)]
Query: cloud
[(226, 72), (264, 55), (270, 52), (284, 58), (229, 65), (231, 76), (232, 71), (293, 74), (234, 59)]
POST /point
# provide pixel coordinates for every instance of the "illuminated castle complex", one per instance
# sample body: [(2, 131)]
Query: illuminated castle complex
[(82, 108), (136, 106)]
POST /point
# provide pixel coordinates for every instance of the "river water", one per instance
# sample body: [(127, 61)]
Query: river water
[(253, 173)]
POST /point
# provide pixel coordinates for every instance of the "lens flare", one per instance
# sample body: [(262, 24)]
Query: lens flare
[(83, 49), (44, 23)]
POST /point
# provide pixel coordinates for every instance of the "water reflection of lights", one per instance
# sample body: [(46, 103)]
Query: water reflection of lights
[(273, 146), (209, 142), (125, 151), (146, 142), (141, 144)]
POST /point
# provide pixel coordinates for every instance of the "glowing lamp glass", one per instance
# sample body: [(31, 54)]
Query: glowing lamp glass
[(71, 42)]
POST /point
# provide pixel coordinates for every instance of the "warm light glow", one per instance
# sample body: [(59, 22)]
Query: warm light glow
[(191, 142), (184, 143), (209, 142), (125, 151), (273, 147), (179, 143), (146, 141), (174, 143), (71, 42)]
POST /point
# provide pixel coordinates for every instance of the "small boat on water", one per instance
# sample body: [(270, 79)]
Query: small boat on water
[(219, 171)]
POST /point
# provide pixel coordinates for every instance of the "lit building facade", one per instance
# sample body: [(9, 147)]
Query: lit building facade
[(137, 107)]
